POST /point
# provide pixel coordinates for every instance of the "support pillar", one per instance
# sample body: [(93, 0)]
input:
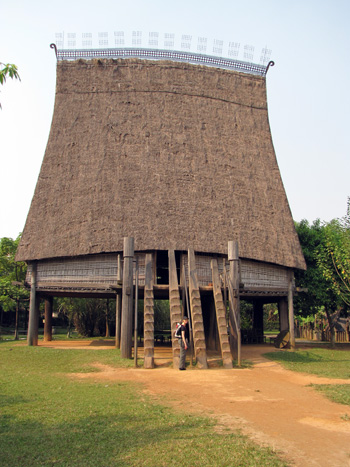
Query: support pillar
[(148, 314), (283, 314), (234, 314), (118, 311), (48, 319), (258, 320), (291, 310), (32, 338), (210, 323), (127, 299)]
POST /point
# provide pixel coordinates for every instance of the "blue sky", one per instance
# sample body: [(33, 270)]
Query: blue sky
[(308, 90)]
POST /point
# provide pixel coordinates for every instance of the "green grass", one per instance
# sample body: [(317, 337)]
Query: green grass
[(49, 418), (322, 362), (339, 393)]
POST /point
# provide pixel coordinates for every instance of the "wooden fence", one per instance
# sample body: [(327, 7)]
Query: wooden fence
[(306, 331)]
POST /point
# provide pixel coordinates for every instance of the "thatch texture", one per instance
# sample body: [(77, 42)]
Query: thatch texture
[(174, 155)]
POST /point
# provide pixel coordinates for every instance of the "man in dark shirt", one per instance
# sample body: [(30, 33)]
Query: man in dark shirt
[(184, 343)]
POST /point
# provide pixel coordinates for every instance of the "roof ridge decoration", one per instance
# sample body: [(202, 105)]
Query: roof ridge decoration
[(156, 54)]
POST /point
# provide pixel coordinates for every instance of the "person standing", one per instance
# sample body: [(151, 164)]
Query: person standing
[(184, 343)]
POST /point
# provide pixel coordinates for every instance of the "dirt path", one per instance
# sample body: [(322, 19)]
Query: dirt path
[(271, 405)]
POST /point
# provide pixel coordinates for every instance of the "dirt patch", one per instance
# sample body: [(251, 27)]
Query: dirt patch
[(271, 405)]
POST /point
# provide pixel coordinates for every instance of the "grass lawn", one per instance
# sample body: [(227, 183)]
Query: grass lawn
[(50, 419), (322, 362), (59, 333)]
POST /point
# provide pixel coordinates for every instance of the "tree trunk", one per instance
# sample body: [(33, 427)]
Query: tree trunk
[(1, 312), (107, 322), (16, 324), (331, 324)]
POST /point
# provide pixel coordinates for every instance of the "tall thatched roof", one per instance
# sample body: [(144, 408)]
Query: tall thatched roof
[(173, 154)]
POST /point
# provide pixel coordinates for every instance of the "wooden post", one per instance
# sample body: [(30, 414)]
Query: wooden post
[(148, 333), (118, 311), (283, 314), (209, 311), (258, 321), (33, 324), (291, 310), (127, 299), (48, 319), (136, 309), (235, 317)]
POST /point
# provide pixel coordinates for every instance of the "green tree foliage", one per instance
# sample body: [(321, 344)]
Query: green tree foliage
[(333, 256), (327, 255), (86, 315), (8, 70), (318, 294), (12, 274)]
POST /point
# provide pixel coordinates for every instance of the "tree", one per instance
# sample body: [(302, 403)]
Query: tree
[(320, 297), (88, 315), (12, 275), (8, 70), (333, 256)]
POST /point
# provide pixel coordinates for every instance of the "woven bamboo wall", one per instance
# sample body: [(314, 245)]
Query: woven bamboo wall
[(98, 270), (254, 275), (101, 271)]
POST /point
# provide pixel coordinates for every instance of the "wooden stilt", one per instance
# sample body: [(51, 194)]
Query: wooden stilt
[(33, 324), (118, 311), (148, 341), (209, 316), (283, 314), (175, 307), (48, 319), (221, 316), (136, 311), (291, 311), (127, 299), (196, 312), (235, 318), (258, 321)]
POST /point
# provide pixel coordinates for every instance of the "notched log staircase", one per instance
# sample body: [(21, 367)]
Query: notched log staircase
[(221, 316), (148, 315), (175, 307)]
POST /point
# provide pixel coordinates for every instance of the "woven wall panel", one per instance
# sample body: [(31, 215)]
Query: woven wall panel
[(253, 274), (99, 270)]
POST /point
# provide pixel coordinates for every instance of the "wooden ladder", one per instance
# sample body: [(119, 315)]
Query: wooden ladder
[(196, 313), (148, 315), (175, 307), (221, 316)]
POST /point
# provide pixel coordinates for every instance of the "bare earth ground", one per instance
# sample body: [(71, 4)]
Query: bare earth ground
[(273, 406)]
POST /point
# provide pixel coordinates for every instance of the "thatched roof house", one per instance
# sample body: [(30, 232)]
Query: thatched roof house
[(180, 158), (173, 154)]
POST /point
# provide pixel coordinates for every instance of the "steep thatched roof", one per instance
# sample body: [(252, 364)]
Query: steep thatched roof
[(175, 155)]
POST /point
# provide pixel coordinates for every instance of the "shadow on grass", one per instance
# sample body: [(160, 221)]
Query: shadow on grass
[(125, 440), (11, 400), (322, 362), (295, 357)]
